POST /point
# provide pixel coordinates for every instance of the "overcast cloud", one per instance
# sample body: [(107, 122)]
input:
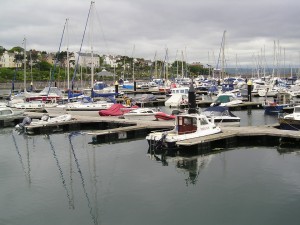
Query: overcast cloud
[(140, 28)]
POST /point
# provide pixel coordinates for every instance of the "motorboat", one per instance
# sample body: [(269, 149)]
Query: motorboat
[(179, 96), (222, 116), (187, 126), (291, 121), (9, 115), (46, 119), (227, 99), (141, 114), (280, 101)]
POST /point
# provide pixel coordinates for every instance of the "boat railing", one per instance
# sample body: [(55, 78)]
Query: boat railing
[(160, 130)]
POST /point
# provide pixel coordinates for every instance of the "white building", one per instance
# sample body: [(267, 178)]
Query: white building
[(86, 59), (7, 60), (110, 60)]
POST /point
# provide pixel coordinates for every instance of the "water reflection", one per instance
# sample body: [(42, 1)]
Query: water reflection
[(67, 164), (93, 212), (28, 169), (191, 165), (69, 196)]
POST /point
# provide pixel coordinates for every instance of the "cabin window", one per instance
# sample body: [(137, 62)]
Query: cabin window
[(203, 121), (187, 121), (194, 122), (187, 125), (297, 109), (5, 112)]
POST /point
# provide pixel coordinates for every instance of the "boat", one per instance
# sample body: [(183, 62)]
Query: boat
[(227, 99), (179, 96), (280, 101), (116, 110), (141, 114), (176, 100), (291, 121), (46, 119), (145, 98), (87, 108), (47, 94), (9, 115), (164, 116), (32, 106), (222, 116), (187, 126)]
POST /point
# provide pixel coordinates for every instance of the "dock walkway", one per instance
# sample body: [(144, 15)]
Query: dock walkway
[(111, 129)]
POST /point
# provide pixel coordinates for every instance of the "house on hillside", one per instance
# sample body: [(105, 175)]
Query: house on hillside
[(8, 60), (110, 60), (86, 59)]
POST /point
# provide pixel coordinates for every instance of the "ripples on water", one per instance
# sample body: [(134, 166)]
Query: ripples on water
[(62, 179)]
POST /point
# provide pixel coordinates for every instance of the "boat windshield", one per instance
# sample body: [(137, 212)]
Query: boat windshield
[(223, 99), (297, 110)]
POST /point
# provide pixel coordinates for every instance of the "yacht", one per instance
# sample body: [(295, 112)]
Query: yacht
[(141, 114), (187, 126)]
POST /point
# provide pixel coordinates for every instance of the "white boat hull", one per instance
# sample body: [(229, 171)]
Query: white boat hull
[(140, 117)]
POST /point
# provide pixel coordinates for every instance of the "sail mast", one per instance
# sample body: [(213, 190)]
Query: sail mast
[(223, 55), (24, 64), (68, 60), (92, 49)]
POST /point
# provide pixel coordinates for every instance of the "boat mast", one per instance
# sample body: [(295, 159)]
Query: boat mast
[(155, 66), (68, 63), (166, 65), (177, 64), (24, 64), (223, 55), (92, 49), (133, 63), (182, 73)]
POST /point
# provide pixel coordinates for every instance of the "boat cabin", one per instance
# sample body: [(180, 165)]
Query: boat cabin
[(188, 124), (180, 90), (5, 111)]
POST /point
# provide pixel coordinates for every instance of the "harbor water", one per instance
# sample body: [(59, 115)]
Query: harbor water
[(64, 179)]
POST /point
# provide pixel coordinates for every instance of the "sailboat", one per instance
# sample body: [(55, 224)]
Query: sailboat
[(87, 106)]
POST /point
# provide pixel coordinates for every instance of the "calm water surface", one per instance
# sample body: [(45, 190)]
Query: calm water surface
[(62, 179)]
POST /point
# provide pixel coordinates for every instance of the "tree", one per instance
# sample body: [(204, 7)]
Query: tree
[(16, 49), (2, 50), (44, 66), (34, 55)]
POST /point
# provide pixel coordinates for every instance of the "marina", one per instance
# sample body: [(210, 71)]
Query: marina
[(140, 118), (116, 129)]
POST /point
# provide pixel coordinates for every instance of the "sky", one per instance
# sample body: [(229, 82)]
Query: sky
[(258, 32)]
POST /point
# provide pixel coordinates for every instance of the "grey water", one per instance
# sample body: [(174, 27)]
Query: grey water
[(63, 179)]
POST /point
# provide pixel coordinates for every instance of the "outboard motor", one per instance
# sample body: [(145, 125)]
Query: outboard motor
[(159, 144), (26, 121)]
